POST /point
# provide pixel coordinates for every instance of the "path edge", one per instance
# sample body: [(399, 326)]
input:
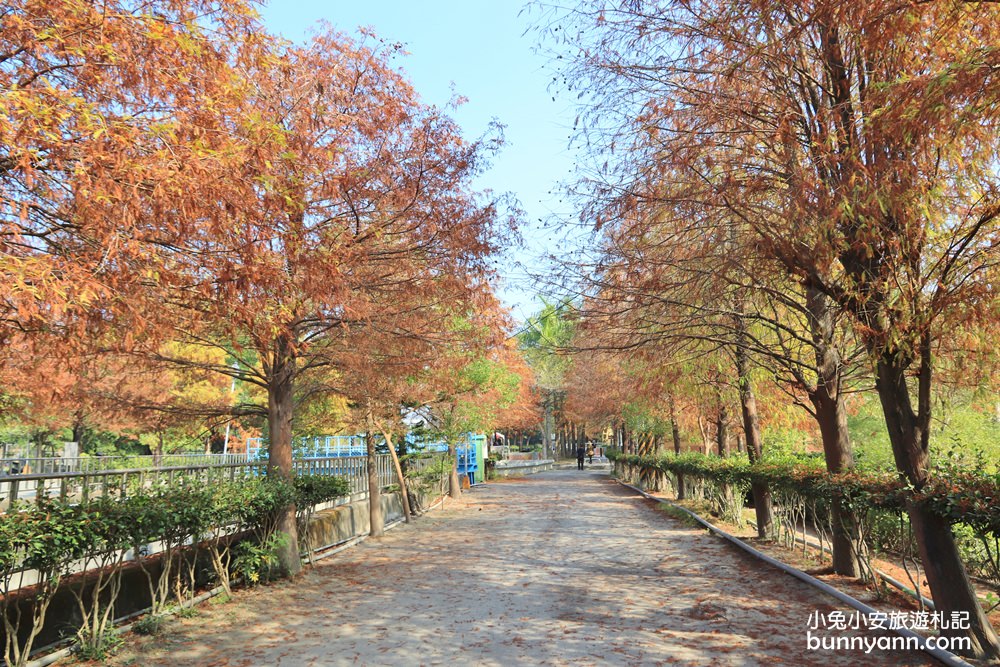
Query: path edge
[(939, 654)]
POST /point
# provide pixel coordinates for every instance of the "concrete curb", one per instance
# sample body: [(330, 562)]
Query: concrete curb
[(945, 657)]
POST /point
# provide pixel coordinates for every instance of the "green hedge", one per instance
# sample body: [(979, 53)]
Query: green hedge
[(187, 516), (315, 489), (957, 494)]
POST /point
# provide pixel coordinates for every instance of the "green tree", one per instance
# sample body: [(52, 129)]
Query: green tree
[(545, 342)]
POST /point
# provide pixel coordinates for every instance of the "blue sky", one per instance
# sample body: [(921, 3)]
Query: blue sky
[(475, 49)]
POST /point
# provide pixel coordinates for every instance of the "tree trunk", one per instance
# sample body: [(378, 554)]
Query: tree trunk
[(376, 522), (908, 432), (659, 478), (399, 475), (831, 416), (280, 407), (832, 419), (706, 441), (78, 432), (675, 432), (722, 429), (755, 444), (547, 423)]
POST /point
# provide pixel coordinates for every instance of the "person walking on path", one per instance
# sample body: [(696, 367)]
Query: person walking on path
[(590, 453), (581, 452)]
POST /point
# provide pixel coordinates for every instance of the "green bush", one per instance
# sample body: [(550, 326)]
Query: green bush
[(100, 649), (107, 521), (148, 625), (50, 536), (311, 490), (185, 515), (257, 562), (315, 489), (261, 500), (958, 494)]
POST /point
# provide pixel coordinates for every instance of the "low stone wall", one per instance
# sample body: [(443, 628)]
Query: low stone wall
[(521, 468), (344, 522)]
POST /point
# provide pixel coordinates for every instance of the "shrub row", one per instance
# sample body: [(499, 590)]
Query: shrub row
[(190, 520), (960, 495)]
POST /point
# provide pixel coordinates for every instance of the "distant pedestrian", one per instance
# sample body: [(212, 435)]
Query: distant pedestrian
[(590, 453), (581, 452)]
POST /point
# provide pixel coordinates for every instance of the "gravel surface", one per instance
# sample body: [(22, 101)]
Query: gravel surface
[(562, 568)]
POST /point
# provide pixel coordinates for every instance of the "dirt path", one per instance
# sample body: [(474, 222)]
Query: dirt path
[(565, 568)]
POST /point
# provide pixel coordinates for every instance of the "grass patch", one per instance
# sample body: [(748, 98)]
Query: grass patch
[(99, 652), (221, 598), (679, 514), (148, 625)]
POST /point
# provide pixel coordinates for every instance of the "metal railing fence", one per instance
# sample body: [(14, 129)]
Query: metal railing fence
[(81, 485), (60, 465), (353, 468)]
